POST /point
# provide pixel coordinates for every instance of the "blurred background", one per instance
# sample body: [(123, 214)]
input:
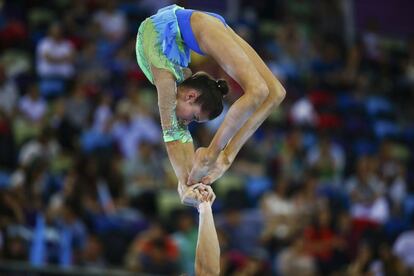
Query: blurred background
[(324, 187)]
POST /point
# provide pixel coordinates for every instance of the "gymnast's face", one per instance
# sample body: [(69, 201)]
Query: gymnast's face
[(187, 110)]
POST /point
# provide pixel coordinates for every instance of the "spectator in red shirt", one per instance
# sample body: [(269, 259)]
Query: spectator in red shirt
[(321, 241), (153, 252)]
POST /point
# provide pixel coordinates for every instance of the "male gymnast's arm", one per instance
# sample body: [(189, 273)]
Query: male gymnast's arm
[(207, 261), (180, 152)]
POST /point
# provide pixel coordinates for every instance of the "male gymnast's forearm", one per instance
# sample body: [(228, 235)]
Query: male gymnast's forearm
[(207, 260)]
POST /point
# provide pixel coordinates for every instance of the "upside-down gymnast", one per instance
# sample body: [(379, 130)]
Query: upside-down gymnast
[(164, 42)]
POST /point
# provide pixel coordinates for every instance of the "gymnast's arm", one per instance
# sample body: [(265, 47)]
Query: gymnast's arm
[(207, 260), (181, 151)]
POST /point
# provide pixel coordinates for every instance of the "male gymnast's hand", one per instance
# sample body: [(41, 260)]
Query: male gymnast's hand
[(195, 194), (205, 194)]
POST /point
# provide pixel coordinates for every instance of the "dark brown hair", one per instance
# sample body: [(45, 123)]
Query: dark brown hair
[(211, 92)]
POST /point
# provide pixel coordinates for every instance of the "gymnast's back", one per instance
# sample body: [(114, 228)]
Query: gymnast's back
[(165, 40)]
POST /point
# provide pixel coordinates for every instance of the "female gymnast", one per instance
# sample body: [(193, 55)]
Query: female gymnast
[(163, 47)]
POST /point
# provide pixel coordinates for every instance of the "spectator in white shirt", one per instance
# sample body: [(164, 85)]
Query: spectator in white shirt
[(112, 22), (404, 248), (44, 147), (55, 55), (131, 128), (32, 106), (367, 193)]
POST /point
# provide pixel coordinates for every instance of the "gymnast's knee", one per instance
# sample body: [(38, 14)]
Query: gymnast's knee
[(259, 93), (277, 93)]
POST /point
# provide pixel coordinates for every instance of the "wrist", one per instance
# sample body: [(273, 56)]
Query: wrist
[(204, 207)]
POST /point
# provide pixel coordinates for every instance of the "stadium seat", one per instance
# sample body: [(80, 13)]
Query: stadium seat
[(378, 105), (385, 129)]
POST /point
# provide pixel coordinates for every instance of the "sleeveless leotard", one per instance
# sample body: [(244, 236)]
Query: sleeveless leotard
[(184, 22)]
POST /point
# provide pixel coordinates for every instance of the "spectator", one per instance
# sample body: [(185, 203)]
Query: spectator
[(77, 107), (130, 128), (153, 252), (55, 55), (66, 132), (391, 171), (306, 198), (367, 193), (91, 67), (327, 64), (348, 236), (111, 21), (404, 248), (58, 240), (73, 230), (280, 215), (328, 159), (32, 106), (253, 265), (362, 263), (44, 147), (295, 260), (185, 237), (303, 113), (103, 114), (241, 228), (291, 156), (144, 171), (321, 241), (372, 42), (289, 48), (387, 263), (15, 247), (92, 255)]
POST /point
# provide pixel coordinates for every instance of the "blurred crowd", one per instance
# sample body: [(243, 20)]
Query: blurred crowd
[(324, 187)]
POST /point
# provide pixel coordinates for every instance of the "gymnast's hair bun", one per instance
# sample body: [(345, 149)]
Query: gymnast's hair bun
[(223, 87)]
